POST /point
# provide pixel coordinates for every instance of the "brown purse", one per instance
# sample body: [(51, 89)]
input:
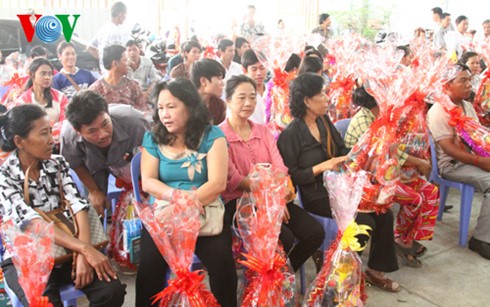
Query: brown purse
[(68, 225)]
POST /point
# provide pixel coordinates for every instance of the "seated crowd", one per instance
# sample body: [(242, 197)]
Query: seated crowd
[(204, 127)]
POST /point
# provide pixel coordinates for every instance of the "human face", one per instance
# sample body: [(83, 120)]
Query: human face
[(463, 26), (486, 29), (317, 104), (68, 58), (327, 22), (121, 66), (213, 87), (474, 64), (459, 88), (172, 113), (256, 72), (38, 145), (133, 53), (446, 22), (99, 132), (228, 54), (243, 101), (121, 18), (242, 49), (43, 76), (193, 55)]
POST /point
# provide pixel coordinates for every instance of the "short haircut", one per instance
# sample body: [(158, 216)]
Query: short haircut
[(206, 68), (444, 15), (362, 98), (293, 62), (62, 46), (486, 21), (305, 85), (405, 49), (235, 81), (84, 108), (249, 57), (132, 42), (251, 6), (466, 56), (191, 44), (310, 64), (460, 18), (322, 18), (118, 8), (224, 43), (437, 10), (112, 53), (38, 51)]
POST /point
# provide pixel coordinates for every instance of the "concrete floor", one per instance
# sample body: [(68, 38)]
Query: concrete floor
[(450, 275)]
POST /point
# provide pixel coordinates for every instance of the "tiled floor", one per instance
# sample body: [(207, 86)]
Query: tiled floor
[(450, 275)]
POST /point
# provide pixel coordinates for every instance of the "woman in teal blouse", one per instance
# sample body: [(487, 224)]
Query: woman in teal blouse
[(183, 151)]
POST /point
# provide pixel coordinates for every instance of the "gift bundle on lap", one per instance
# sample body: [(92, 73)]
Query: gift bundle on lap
[(340, 281), (177, 244), (269, 280), (32, 255)]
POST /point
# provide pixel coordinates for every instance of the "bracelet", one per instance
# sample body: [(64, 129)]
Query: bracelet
[(475, 162), (168, 194)]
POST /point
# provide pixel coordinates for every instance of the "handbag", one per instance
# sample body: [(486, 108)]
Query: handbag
[(68, 224), (211, 219)]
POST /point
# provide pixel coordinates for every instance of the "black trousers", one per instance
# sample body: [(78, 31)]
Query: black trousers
[(99, 293), (382, 255), (301, 229), (214, 252)]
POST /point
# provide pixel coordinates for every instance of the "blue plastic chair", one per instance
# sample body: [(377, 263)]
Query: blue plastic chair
[(467, 192), (135, 177), (113, 192), (342, 126), (3, 90)]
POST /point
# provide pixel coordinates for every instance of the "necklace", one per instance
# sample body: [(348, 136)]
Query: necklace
[(173, 155)]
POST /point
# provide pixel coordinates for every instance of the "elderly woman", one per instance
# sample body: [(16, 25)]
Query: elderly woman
[(183, 151), (26, 132), (311, 145), (250, 144)]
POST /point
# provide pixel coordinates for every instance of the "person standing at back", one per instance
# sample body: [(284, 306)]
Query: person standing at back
[(324, 22)]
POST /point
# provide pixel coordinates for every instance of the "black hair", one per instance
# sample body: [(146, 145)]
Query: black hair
[(84, 108), (197, 122), (293, 62), (437, 10), (224, 43), (112, 53), (239, 41), (310, 64), (249, 57), (460, 18), (131, 42), (18, 121), (305, 85), (235, 81), (312, 52), (118, 8), (405, 49), (191, 44), (466, 56), (444, 15), (62, 46), (322, 18), (362, 98), (207, 68), (38, 51), (33, 67), (485, 21)]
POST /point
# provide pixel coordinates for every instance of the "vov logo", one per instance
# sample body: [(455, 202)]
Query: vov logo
[(47, 28)]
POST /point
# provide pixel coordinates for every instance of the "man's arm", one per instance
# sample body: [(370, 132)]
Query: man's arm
[(96, 197), (452, 149)]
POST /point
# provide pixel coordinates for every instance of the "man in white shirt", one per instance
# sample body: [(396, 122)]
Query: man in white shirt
[(255, 70), (141, 68), (226, 52), (110, 34), (440, 35)]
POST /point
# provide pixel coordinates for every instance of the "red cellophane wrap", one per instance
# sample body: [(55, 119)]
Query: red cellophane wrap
[(32, 256), (482, 95), (259, 218), (16, 86), (339, 282), (273, 53), (177, 244), (344, 55)]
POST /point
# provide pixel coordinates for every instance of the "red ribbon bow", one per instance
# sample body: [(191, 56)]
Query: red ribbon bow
[(15, 80)]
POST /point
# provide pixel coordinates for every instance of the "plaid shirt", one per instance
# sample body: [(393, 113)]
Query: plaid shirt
[(359, 124)]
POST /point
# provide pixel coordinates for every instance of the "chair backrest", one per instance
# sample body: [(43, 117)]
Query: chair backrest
[(342, 126), (135, 175), (434, 173), (78, 183)]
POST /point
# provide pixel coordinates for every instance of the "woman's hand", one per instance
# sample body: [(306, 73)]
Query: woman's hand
[(333, 164), (84, 272), (100, 263)]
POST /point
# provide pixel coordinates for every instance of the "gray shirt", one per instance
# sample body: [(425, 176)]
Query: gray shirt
[(129, 126), (145, 74)]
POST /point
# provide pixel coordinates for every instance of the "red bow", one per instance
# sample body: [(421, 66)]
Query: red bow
[(15, 80)]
